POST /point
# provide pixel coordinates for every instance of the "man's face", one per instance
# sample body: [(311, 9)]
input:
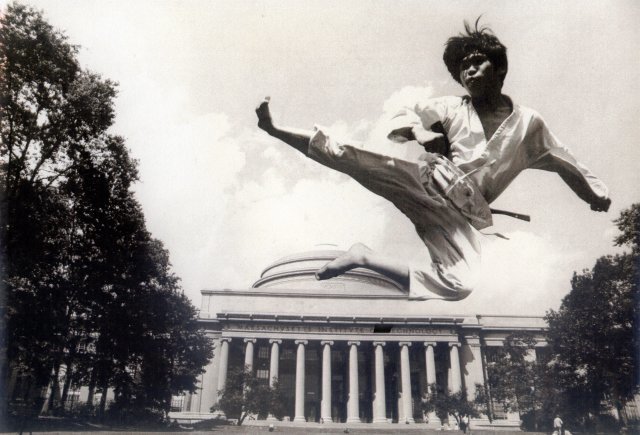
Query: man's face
[(478, 75)]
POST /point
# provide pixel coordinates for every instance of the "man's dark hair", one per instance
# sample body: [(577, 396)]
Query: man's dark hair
[(481, 40)]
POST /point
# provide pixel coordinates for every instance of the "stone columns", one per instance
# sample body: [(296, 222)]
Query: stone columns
[(430, 367), (405, 373), (471, 359), (299, 408), (379, 402), (353, 404), (274, 368), (430, 361), (454, 358), (207, 395), (274, 362), (325, 404), (248, 353), (224, 362)]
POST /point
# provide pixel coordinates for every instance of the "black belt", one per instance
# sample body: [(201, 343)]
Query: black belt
[(523, 217)]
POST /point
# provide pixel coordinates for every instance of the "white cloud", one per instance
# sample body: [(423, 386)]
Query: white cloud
[(408, 96), (524, 274)]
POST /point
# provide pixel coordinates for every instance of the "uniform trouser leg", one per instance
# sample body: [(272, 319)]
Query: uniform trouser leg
[(452, 243)]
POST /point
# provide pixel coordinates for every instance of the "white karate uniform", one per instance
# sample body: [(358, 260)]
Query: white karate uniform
[(445, 203)]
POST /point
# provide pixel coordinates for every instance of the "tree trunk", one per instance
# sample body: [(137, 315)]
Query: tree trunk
[(6, 377), (53, 391), (103, 400), (243, 415), (67, 385), (485, 373), (92, 389), (619, 407)]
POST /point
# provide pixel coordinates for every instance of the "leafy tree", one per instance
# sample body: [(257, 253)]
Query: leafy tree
[(445, 403), (49, 108), (176, 349), (511, 375), (593, 335), (520, 384), (75, 251), (245, 394)]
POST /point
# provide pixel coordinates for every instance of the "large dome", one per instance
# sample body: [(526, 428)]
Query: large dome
[(298, 271)]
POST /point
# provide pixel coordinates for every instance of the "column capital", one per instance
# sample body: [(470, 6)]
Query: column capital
[(304, 342), (329, 342), (227, 339), (473, 342), (454, 344), (250, 340), (430, 343), (379, 343), (275, 340), (404, 343), (351, 343)]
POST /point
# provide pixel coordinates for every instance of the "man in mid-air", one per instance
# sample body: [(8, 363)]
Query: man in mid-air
[(475, 146)]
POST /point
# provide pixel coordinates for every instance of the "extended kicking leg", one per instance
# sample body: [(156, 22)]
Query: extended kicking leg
[(298, 139), (360, 255)]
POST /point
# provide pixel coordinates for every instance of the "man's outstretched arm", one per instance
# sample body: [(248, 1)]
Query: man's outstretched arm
[(556, 158), (298, 139)]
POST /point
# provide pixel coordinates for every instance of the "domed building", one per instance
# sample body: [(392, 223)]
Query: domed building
[(350, 349)]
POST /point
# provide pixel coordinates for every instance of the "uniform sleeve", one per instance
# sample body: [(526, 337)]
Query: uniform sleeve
[(424, 114), (548, 153)]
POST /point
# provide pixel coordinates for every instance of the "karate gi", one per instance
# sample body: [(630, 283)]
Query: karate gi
[(448, 203)]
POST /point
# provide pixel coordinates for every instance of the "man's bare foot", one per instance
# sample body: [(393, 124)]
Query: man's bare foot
[(264, 115), (354, 257)]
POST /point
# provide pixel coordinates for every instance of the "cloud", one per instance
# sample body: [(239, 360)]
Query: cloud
[(281, 203), (523, 274), (407, 96)]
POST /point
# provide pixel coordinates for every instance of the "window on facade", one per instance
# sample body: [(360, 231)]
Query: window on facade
[(263, 352), (336, 357), (287, 382), (288, 354), (262, 374), (491, 354), (543, 354), (630, 411), (176, 403)]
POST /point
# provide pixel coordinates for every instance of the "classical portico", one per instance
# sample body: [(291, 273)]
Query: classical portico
[(352, 349)]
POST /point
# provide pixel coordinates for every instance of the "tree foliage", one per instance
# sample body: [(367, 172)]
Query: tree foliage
[(445, 403), (511, 374), (245, 394), (90, 298), (593, 335), (519, 382)]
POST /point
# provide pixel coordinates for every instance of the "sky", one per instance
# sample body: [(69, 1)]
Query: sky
[(227, 200)]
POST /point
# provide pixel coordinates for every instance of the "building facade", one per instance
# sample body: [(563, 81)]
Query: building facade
[(351, 349)]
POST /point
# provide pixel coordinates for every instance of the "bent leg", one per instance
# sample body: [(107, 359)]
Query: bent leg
[(360, 255), (449, 269)]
